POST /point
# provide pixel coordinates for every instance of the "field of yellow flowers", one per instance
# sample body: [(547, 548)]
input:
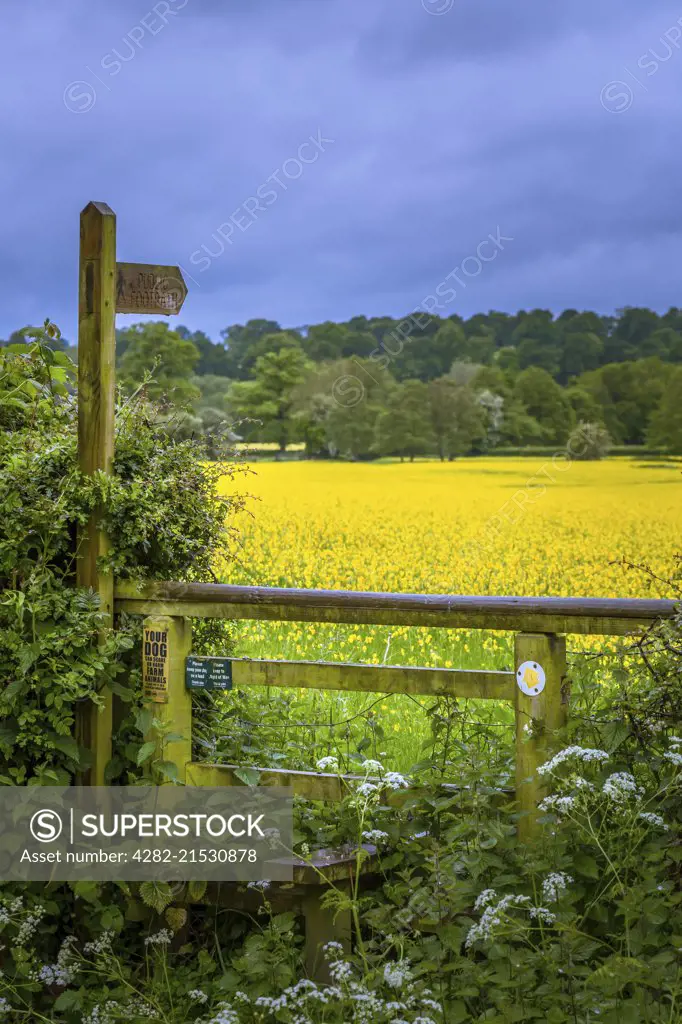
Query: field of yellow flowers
[(477, 526)]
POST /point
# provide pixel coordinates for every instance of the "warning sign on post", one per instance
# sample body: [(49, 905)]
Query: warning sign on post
[(155, 665)]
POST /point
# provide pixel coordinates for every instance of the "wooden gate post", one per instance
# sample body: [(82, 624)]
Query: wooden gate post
[(96, 390), (166, 643), (541, 708)]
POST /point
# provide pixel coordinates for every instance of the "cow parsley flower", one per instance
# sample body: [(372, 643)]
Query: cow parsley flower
[(555, 885), (542, 914), (653, 819), (673, 757), (491, 918), (375, 835), (160, 938), (587, 754), (328, 764), (484, 898), (397, 974), (396, 781), (621, 786), (198, 996), (559, 804)]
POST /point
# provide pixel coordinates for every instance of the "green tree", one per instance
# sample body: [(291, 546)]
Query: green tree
[(580, 351), (404, 426), (269, 398), (154, 348), (631, 329), (546, 402), (457, 417), (628, 394), (213, 358), (665, 430), (239, 339), (584, 404), (537, 341), (665, 343)]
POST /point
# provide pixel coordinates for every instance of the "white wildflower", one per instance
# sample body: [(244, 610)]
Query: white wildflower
[(372, 766), (542, 914), (621, 786), (366, 789), (160, 938), (4, 1005), (198, 996), (102, 945), (396, 781), (653, 819), (673, 757), (340, 970), (580, 783), (376, 836), (397, 974), (581, 753), (559, 804), (272, 837), (493, 916), (555, 885), (261, 885), (328, 764), (484, 898)]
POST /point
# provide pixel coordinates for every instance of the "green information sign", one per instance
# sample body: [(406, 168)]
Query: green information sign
[(208, 673)]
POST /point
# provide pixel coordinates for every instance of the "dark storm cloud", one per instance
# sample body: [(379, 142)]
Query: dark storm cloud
[(553, 123)]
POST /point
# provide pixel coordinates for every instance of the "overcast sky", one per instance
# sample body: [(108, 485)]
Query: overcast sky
[(435, 123)]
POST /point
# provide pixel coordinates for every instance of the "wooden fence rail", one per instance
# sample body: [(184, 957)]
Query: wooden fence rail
[(540, 624), (586, 615)]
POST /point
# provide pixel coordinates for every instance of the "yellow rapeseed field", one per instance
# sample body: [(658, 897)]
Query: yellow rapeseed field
[(478, 526)]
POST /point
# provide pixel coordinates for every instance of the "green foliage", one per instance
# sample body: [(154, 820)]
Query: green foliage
[(165, 519), (269, 397), (404, 426), (612, 370), (666, 424), (162, 360)]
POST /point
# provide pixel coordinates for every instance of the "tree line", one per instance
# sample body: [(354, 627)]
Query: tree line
[(422, 385)]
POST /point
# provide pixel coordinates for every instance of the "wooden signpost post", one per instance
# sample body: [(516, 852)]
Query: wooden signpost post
[(106, 288)]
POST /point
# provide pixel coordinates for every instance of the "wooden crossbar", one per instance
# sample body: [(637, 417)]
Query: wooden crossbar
[(325, 675), (580, 615)]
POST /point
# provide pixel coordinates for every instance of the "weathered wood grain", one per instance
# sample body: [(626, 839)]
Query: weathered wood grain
[(591, 616)]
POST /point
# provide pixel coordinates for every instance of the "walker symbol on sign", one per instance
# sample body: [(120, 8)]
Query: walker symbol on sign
[(531, 678)]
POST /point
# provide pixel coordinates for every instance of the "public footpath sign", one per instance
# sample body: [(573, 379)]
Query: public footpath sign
[(145, 288)]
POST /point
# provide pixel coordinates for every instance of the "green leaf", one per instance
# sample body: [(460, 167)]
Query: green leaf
[(586, 865), (71, 999), (67, 745), (146, 751), (196, 890), (249, 776), (168, 769), (157, 895), (143, 720), (111, 919)]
